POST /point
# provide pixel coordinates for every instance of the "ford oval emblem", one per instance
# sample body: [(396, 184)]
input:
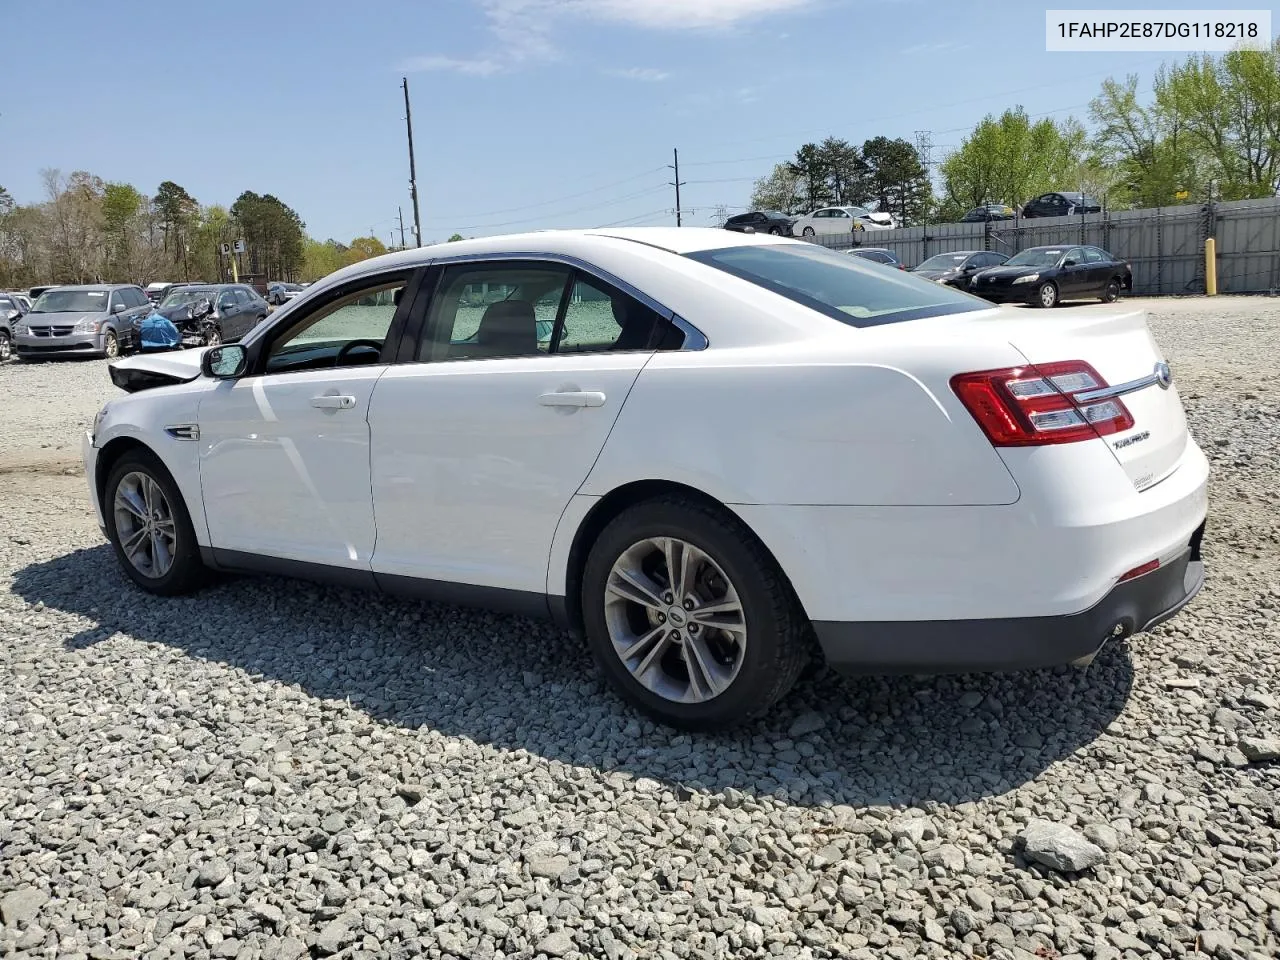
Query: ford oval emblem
[(1164, 376)]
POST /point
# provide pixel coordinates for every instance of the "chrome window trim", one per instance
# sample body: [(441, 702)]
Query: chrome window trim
[(695, 339)]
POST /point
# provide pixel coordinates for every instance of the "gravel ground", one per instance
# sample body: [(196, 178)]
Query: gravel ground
[(280, 770)]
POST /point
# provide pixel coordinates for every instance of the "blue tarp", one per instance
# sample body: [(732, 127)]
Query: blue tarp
[(158, 332)]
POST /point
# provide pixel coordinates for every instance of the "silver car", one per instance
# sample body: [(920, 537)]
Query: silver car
[(94, 321)]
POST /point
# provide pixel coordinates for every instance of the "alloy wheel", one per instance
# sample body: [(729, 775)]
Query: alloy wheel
[(675, 620), (213, 337), (111, 345), (145, 524), (5, 348), (1048, 295)]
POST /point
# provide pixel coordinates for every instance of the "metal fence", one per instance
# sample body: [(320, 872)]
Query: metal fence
[(1165, 245)]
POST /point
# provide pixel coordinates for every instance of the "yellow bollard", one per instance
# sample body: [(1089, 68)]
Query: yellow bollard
[(1211, 267)]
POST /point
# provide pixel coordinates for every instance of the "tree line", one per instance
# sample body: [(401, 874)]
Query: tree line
[(1210, 130), (88, 230)]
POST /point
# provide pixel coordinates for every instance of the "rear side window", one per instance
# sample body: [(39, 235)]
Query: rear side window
[(841, 287)]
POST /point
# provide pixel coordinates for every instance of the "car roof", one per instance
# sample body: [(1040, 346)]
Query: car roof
[(92, 286)]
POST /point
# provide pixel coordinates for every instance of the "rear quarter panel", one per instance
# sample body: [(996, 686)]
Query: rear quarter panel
[(856, 417)]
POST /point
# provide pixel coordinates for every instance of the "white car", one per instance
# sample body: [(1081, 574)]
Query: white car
[(703, 450), (831, 221)]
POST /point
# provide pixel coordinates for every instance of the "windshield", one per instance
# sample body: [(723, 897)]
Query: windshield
[(180, 297), (848, 289), (1036, 257), (944, 261), (71, 301)]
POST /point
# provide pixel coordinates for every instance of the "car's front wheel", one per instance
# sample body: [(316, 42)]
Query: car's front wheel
[(110, 345), (775, 232), (6, 348), (1047, 295), (689, 617), (149, 526), (212, 336), (1112, 292)]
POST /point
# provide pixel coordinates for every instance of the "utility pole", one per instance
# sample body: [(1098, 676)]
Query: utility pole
[(677, 184), (400, 214), (413, 175)]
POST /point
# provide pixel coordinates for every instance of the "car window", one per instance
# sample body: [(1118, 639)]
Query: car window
[(1100, 253), (598, 318), (226, 300), (7, 304), (488, 311), (242, 295), (837, 285), (758, 217), (347, 330), (1092, 255), (840, 213), (1076, 254)]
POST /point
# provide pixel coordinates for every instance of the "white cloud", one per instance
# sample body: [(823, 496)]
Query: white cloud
[(522, 29), (641, 74)]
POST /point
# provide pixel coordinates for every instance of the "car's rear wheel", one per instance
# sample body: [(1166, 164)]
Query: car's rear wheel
[(808, 231), (1112, 293), (689, 617), (1047, 295), (110, 345), (149, 526), (6, 349)]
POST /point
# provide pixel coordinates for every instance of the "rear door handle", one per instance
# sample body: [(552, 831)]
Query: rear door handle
[(333, 403), (573, 398)]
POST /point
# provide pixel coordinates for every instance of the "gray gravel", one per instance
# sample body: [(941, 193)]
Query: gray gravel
[(281, 770)]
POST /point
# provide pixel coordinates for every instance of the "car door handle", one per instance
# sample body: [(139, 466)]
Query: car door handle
[(333, 403), (573, 398)]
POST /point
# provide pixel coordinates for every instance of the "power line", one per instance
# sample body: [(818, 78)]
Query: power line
[(631, 221), (547, 203)]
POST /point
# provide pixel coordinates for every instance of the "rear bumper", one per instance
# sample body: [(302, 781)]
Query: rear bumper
[(961, 646)]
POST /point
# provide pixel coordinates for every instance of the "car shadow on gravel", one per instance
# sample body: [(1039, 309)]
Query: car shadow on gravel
[(524, 685)]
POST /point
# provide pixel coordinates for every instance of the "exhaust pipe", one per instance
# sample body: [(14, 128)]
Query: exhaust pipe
[(1117, 632)]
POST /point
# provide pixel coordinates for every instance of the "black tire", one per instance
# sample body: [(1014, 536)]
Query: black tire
[(779, 638), (187, 572), (808, 232), (1047, 295), (775, 232), (1112, 293), (110, 345), (213, 336), (6, 347)]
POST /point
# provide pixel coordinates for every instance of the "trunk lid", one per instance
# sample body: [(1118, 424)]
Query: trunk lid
[(1118, 344)]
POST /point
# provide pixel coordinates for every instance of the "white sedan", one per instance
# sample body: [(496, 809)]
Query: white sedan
[(834, 221), (713, 455)]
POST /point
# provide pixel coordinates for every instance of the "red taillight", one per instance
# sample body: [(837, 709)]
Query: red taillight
[(1040, 404), (1139, 571)]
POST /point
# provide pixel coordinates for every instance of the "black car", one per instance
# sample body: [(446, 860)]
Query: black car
[(878, 255), (988, 212), (761, 221), (237, 308), (956, 268), (1045, 276), (1060, 205)]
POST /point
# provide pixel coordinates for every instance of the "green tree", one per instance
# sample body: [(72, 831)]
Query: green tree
[(455, 238), (780, 190), (1229, 110), (1010, 160), (897, 178), (362, 248), (321, 259), (176, 214), (274, 233), (1145, 147), (121, 206)]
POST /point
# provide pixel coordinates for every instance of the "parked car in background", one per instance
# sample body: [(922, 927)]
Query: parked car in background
[(237, 309), (833, 221), (1060, 205), (878, 255), (425, 446), (34, 292), (282, 292), (92, 320), (989, 212), (762, 221), (158, 290), (12, 308), (957, 267), (1045, 276), (20, 297)]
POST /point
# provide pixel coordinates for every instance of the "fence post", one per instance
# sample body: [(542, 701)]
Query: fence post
[(1210, 267)]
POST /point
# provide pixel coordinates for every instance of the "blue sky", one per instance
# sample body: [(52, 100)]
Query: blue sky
[(528, 114)]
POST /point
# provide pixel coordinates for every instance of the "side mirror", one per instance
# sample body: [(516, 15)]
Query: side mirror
[(226, 362), (118, 307)]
